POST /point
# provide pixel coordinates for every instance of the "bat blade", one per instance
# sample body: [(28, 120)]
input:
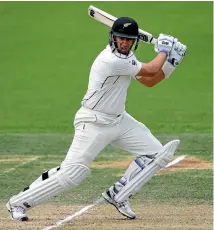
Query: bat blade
[(101, 16), (108, 20)]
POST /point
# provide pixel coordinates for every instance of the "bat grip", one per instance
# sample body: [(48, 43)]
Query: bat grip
[(153, 41)]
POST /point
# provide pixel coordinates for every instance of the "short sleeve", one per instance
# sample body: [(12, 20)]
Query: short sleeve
[(125, 67)]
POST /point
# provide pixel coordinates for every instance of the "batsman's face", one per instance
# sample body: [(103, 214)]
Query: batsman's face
[(124, 44)]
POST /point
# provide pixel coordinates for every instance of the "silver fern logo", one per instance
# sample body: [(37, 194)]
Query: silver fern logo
[(126, 24)]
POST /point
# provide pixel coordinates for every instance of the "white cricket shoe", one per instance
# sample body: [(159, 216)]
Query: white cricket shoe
[(17, 213), (123, 207)]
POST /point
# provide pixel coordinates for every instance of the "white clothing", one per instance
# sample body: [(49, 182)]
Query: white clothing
[(95, 130), (102, 119), (109, 79)]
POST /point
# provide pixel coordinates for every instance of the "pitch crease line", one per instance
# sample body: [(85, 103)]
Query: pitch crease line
[(19, 165), (78, 213), (86, 208), (176, 161)]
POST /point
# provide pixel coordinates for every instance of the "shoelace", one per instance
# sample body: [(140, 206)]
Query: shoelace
[(124, 203)]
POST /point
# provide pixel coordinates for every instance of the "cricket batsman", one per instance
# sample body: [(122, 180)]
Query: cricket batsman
[(102, 120)]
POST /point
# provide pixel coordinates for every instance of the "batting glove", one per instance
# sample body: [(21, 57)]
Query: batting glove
[(164, 44), (177, 53)]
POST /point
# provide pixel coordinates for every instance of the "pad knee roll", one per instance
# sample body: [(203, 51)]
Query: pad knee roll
[(73, 175)]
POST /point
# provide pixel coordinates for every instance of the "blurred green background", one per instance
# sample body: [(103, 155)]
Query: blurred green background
[(46, 51), (47, 48)]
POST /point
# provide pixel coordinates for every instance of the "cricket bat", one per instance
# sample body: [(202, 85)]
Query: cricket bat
[(108, 20)]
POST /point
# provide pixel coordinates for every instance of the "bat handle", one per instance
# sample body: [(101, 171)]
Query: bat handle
[(153, 41)]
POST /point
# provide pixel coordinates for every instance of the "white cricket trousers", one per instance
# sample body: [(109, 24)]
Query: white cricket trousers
[(95, 130)]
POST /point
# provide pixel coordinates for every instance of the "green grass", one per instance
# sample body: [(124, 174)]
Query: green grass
[(58, 144), (51, 149), (47, 49)]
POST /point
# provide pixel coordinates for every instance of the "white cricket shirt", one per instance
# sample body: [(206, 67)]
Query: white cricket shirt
[(109, 79)]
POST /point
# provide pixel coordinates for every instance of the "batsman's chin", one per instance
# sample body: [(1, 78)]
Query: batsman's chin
[(124, 51)]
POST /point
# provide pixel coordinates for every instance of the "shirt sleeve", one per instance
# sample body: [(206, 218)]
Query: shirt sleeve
[(125, 67)]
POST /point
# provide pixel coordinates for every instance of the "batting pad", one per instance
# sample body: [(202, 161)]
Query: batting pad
[(61, 181), (148, 171)]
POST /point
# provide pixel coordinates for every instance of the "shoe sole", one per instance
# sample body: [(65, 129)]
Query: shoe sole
[(24, 218), (108, 199)]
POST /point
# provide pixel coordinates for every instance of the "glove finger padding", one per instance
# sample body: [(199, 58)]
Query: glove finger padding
[(177, 53), (164, 44), (180, 48)]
